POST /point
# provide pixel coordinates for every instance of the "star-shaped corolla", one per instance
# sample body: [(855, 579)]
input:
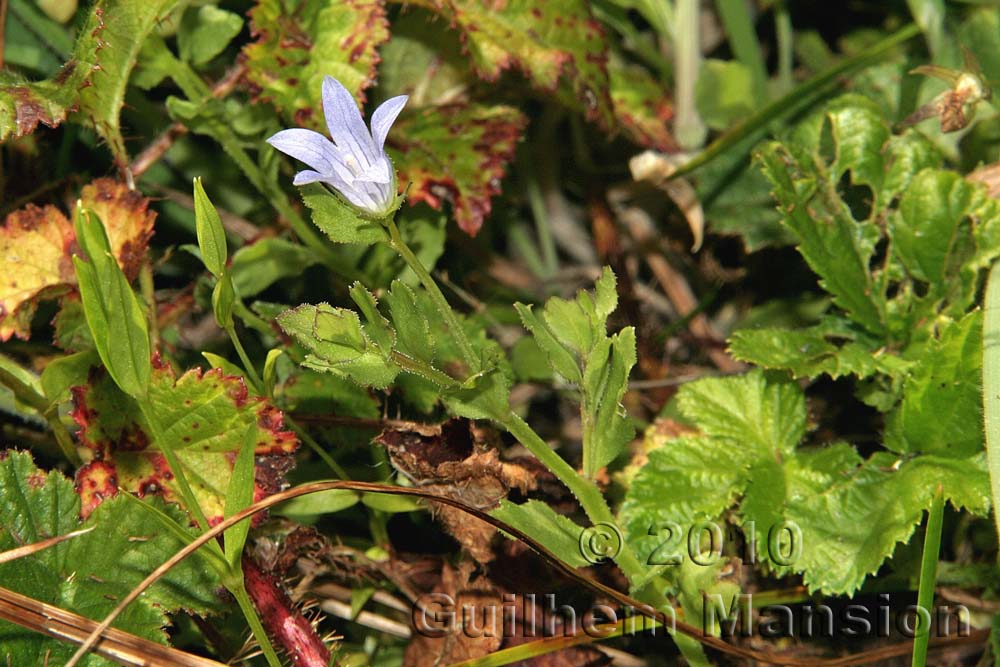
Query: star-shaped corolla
[(354, 163)]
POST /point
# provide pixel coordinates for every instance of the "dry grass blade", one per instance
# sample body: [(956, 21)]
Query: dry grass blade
[(122, 647), (35, 547)]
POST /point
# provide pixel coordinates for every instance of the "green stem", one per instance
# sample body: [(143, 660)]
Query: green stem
[(586, 492), (32, 397), (149, 296), (338, 471), (688, 127), (991, 384), (789, 104), (735, 15), (786, 50), (255, 381), (239, 592), (440, 303), (928, 577)]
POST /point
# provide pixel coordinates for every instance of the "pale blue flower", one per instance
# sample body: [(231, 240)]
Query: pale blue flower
[(354, 163)]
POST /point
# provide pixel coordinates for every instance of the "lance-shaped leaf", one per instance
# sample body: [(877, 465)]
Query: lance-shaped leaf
[(89, 573), (116, 321), (550, 42), (203, 417), (301, 41), (456, 154), (36, 246)]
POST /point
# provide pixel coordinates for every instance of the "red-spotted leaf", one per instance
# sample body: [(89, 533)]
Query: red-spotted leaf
[(298, 42), (457, 154), (551, 42), (642, 107), (36, 246), (202, 416)]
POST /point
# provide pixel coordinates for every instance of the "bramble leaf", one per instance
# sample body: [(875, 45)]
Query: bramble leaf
[(642, 106), (946, 374), (458, 154), (119, 28), (301, 41), (202, 416), (550, 42), (830, 515), (77, 575)]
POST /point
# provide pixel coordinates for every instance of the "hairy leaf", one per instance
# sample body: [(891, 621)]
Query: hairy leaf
[(941, 412), (90, 573)]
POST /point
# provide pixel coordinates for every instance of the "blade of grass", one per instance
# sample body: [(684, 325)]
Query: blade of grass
[(787, 105), (928, 575), (736, 19), (991, 384)]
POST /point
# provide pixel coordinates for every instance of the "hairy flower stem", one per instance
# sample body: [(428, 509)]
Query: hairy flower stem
[(443, 307), (586, 492), (590, 497), (257, 384)]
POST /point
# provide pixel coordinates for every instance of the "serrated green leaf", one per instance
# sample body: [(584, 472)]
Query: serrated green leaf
[(606, 426), (685, 480), (851, 516), (76, 575), (211, 233), (376, 327), (766, 415), (810, 353), (413, 329), (338, 344), (837, 247), (122, 27), (941, 411), (205, 32), (931, 233), (338, 220), (559, 534)]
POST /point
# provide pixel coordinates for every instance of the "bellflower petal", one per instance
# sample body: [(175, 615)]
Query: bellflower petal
[(354, 163), (307, 146), (347, 128), (384, 117)]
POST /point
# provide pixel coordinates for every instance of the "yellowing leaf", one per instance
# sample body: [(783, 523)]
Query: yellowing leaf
[(37, 244)]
